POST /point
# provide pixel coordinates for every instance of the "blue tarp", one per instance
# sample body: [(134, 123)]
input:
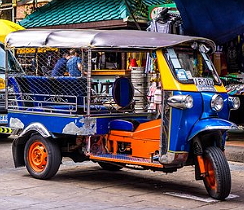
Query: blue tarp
[(219, 20)]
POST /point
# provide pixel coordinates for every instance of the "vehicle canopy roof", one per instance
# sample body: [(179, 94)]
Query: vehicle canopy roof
[(98, 39)]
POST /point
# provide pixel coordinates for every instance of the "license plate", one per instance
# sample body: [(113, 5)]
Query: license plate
[(204, 84)]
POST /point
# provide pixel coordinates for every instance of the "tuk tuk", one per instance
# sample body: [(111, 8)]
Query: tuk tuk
[(13, 67), (145, 99)]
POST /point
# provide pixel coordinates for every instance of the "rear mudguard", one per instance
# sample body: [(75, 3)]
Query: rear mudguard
[(211, 124), (18, 144), (36, 127)]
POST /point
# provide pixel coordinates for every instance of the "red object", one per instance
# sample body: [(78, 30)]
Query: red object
[(133, 62)]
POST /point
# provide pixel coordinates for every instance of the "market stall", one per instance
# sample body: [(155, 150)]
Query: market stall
[(223, 22)]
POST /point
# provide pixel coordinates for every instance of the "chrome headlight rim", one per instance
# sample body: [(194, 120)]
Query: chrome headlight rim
[(234, 102), (181, 101), (217, 103)]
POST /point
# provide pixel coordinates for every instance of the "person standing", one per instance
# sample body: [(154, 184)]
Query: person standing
[(74, 65), (60, 67)]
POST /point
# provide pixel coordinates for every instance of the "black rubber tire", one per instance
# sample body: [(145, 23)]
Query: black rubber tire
[(109, 166), (42, 157), (218, 179)]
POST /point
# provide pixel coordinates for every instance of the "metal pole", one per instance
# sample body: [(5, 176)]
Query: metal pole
[(13, 10), (6, 77), (89, 81)]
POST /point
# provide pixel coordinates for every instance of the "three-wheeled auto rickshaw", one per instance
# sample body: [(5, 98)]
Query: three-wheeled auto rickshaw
[(144, 99), (13, 67)]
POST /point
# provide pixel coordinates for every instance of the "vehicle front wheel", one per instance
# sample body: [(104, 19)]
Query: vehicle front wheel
[(42, 157), (218, 178)]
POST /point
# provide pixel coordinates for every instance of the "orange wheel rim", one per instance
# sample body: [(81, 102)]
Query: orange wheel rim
[(37, 156), (210, 175)]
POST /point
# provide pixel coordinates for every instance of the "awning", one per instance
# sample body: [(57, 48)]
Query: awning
[(82, 38), (6, 27), (219, 20)]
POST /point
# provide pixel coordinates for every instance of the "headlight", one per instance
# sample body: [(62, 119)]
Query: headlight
[(234, 103), (217, 103), (181, 101)]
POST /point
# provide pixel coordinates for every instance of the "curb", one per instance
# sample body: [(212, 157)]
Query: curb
[(234, 151)]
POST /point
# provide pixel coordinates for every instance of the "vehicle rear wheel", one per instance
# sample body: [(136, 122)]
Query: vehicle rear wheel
[(109, 166), (218, 178), (42, 157)]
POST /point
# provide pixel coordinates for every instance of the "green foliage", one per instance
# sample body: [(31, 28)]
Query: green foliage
[(140, 7), (169, 2)]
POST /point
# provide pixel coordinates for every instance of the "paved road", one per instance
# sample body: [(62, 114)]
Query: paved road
[(86, 186)]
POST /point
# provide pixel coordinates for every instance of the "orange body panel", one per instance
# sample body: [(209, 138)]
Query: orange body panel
[(145, 148), (148, 131), (144, 140)]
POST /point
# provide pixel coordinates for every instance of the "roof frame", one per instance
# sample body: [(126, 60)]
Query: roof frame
[(98, 39)]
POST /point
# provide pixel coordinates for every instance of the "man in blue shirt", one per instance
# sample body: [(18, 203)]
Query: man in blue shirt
[(60, 67), (74, 66)]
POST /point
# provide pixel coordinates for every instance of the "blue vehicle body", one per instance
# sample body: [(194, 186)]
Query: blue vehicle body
[(190, 122)]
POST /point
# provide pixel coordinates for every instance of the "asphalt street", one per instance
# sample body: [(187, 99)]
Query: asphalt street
[(87, 186)]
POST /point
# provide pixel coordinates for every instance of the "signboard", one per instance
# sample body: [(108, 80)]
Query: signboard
[(35, 50), (154, 10)]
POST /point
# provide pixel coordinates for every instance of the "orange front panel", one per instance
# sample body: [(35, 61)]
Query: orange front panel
[(148, 130), (144, 141), (144, 148), (140, 147)]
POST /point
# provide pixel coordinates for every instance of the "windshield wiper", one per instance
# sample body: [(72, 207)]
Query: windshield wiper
[(2, 69)]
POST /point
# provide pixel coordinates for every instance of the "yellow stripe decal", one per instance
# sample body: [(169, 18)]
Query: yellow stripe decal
[(5, 130)]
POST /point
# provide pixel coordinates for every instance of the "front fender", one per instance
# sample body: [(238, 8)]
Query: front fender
[(211, 124)]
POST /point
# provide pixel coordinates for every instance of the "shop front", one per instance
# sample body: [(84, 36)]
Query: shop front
[(223, 22)]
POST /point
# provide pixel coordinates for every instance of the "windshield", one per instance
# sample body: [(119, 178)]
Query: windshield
[(2, 60), (13, 64), (190, 66)]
